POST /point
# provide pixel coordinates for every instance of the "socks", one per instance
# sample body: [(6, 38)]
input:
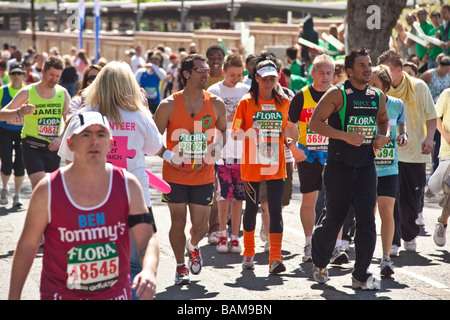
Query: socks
[(249, 243), (275, 247)]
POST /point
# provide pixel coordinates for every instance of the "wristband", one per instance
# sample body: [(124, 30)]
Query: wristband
[(168, 155)]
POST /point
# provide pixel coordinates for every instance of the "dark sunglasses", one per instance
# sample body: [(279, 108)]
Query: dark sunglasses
[(201, 69), (16, 73), (91, 78)]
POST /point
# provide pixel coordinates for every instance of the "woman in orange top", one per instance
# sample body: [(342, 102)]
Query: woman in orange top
[(260, 119)]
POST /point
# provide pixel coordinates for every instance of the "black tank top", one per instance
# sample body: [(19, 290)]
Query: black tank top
[(359, 111)]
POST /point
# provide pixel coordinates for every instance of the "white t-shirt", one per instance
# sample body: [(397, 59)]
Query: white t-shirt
[(136, 63), (231, 97), (135, 137)]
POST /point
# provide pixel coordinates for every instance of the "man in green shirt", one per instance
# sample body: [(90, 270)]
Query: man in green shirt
[(427, 28), (44, 106)]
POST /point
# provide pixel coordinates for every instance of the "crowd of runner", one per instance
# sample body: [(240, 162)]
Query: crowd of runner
[(360, 134)]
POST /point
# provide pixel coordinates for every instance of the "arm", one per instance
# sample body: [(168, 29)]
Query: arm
[(330, 103), (427, 144), (54, 145), (291, 137), (35, 223), (146, 242), (17, 106), (382, 122)]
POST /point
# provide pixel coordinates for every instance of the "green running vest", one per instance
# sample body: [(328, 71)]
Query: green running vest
[(45, 122)]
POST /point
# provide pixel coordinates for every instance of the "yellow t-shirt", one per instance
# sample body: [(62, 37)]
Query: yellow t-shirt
[(443, 110), (418, 110), (266, 160)]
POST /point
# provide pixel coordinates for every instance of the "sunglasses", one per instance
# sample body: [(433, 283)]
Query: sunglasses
[(16, 73), (91, 78), (201, 69)]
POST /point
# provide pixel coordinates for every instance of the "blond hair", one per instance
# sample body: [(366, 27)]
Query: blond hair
[(114, 88), (323, 59)]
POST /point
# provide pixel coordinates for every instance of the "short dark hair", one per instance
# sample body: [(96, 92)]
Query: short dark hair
[(53, 62), (188, 63), (391, 56), (292, 53), (215, 47), (353, 54)]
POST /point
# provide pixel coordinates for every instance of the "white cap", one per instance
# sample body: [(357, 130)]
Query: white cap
[(267, 71), (77, 124)]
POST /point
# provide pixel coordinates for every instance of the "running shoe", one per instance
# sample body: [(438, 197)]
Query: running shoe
[(410, 245), (222, 245), (247, 263), (320, 274), (276, 267), (3, 197), (386, 267), (370, 284), (213, 238), (345, 245), (182, 275), (16, 201), (394, 251), (420, 221), (338, 257), (235, 245), (440, 234), (307, 257), (195, 261)]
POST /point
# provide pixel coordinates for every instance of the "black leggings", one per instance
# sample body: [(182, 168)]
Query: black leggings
[(274, 195), (9, 142)]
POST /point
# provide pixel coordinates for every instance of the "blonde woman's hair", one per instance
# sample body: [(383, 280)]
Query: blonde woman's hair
[(114, 88)]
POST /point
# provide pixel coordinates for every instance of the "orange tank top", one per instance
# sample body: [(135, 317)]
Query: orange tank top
[(192, 135)]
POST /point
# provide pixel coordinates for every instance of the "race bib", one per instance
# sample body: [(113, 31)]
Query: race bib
[(48, 127), (92, 267), (193, 145), (315, 141), (385, 156), (366, 124)]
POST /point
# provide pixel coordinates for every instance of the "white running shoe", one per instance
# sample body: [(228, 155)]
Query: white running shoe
[(247, 263), (394, 251), (16, 201), (370, 284), (320, 274), (410, 245), (3, 197), (440, 234), (235, 245), (222, 245), (307, 257), (420, 221), (213, 238)]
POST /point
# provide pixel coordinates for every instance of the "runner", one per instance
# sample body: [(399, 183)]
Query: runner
[(10, 138), (412, 159), (261, 160), (191, 118), (44, 106), (386, 160), (134, 132), (230, 188), (353, 110), (313, 145), (84, 210)]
